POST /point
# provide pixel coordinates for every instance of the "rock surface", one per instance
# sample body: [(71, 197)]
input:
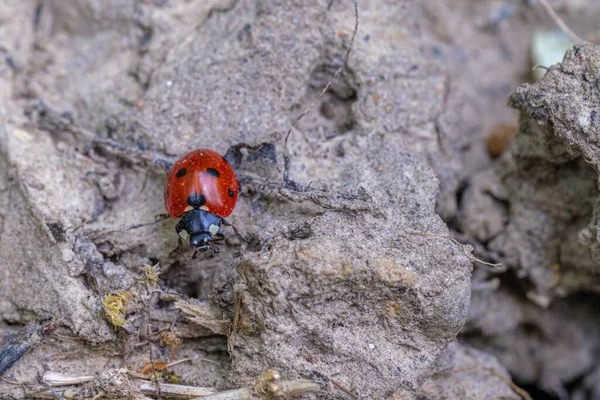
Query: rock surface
[(355, 283), (540, 203), (464, 372)]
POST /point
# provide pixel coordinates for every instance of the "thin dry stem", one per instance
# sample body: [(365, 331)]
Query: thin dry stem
[(268, 386), (561, 24), (58, 379), (462, 246), (173, 391)]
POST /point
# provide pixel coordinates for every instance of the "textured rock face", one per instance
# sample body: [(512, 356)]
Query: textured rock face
[(363, 289), (462, 371), (560, 145), (549, 347), (371, 311), (541, 206), (354, 284), (365, 297), (549, 183)]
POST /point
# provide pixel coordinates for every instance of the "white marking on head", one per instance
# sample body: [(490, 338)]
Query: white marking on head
[(184, 235), (204, 208), (189, 208), (213, 229)]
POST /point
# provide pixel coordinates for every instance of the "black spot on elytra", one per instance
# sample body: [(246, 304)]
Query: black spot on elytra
[(196, 200), (181, 172), (213, 172), (231, 193)]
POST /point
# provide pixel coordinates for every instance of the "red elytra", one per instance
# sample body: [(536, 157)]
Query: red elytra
[(201, 179), (202, 189)]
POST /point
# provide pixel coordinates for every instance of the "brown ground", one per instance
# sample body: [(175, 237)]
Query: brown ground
[(357, 284)]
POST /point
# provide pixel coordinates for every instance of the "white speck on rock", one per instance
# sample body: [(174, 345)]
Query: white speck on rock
[(584, 120)]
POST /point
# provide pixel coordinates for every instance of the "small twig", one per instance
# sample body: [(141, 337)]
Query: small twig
[(462, 246), (157, 390), (10, 381), (267, 386), (178, 362), (561, 24), (132, 153), (342, 388), (173, 391), (57, 379), (235, 325), (206, 360), (157, 219), (30, 336)]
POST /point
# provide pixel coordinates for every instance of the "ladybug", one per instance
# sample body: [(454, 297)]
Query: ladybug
[(202, 189)]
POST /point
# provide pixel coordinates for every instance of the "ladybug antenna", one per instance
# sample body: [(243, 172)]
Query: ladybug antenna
[(286, 153)]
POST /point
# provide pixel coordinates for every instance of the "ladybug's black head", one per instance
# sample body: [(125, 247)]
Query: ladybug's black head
[(202, 228), (202, 242)]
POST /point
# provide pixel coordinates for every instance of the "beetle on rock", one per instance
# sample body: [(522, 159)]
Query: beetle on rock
[(202, 189)]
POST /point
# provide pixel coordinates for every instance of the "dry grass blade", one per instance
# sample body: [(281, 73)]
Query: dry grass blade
[(268, 386), (57, 379), (179, 392), (561, 24)]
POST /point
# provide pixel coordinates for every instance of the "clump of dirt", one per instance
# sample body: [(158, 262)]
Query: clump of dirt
[(540, 203), (547, 348), (366, 276), (549, 182), (371, 303), (463, 371)]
